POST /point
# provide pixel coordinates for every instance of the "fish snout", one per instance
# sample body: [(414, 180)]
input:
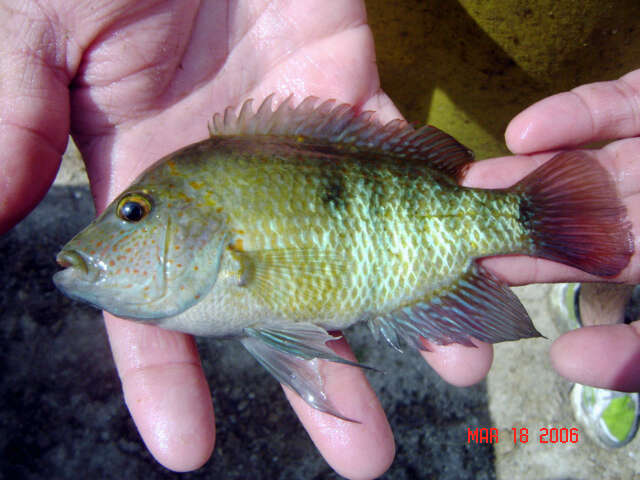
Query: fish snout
[(79, 277)]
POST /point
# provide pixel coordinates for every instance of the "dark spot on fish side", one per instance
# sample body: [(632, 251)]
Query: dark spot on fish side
[(334, 191), (525, 213)]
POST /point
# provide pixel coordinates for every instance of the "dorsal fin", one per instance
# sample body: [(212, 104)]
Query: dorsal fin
[(342, 123)]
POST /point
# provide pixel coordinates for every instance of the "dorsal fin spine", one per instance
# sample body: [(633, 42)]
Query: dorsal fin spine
[(342, 123)]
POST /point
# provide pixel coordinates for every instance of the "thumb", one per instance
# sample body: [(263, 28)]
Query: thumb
[(34, 111), (605, 356)]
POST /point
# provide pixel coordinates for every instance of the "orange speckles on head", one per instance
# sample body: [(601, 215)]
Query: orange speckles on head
[(112, 263), (98, 243), (195, 267), (128, 249), (92, 252), (196, 297), (185, 198), (127, 270), (237, 245), (177, 247), (179, 265)]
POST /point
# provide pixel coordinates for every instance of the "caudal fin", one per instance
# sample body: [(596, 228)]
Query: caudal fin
[(575, 216)]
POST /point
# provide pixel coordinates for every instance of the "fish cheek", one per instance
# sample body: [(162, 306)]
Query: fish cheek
[(122, 275), (193, 252), (162, 268), (133, 265)]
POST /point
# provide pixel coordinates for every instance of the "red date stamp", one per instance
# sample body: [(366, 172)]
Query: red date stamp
[(551, 435)]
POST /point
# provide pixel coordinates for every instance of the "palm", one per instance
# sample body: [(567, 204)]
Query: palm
[(176, 67), (132, 103)]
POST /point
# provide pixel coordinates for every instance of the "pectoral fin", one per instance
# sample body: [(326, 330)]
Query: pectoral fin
[(291, 354), (295, 281), (476, 305)]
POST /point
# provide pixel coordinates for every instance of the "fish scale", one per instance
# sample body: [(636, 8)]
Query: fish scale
[(289, 222)]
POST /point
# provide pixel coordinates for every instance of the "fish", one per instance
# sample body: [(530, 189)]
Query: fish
[(293, 221)]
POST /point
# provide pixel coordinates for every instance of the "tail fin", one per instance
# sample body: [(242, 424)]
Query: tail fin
[(574, 214)]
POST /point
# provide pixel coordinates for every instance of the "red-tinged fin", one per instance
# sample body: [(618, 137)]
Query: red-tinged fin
[(575, 216), (476, 305), (344, 124)]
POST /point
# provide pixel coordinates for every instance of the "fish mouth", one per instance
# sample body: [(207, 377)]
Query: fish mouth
[(78, 278), (77, 266), (72, 259)]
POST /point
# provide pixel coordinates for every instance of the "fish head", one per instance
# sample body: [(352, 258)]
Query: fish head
[(153, 253)]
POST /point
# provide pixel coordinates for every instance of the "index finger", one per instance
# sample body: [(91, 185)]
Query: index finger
[(165, 390), (589, 113), (34, 112)]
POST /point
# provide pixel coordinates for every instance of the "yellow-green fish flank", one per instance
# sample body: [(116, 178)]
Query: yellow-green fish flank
[(318, 234)]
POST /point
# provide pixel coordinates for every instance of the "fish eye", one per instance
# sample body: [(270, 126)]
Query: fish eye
[(133, 207)]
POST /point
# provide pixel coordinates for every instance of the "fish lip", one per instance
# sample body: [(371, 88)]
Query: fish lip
[(72, 259), (79, 264)]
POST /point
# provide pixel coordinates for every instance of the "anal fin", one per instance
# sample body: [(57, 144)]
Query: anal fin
[(290, 353), (476, 305)]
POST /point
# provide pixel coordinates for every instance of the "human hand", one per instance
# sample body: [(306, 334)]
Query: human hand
[(134, 81), (602, 356)]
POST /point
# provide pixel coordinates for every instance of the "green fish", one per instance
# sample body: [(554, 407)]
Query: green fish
[(290, 222)]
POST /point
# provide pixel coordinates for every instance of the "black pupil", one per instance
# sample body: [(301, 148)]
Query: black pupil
[(132, 211)]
